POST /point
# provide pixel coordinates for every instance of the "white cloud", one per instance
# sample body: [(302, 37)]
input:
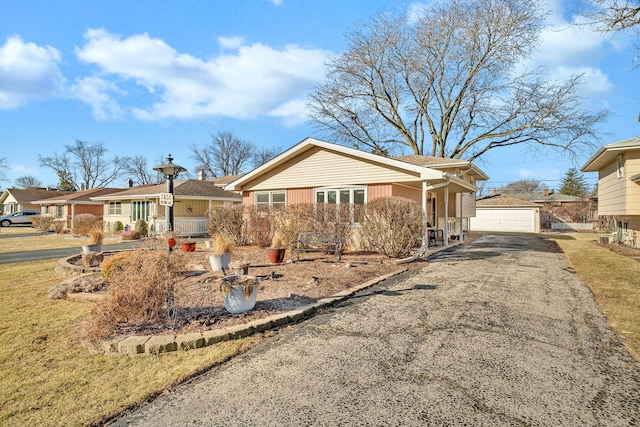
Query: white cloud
[(245, 81), (95, 92), (277, 2), (27, 71)]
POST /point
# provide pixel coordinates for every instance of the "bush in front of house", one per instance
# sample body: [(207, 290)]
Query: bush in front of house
[(43, 223), (84, 223), (227, 221), (393, 226), (142, 286), (142, 226), (118, 227)]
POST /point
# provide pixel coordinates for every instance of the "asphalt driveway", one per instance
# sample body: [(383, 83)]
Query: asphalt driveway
[(500, 332)]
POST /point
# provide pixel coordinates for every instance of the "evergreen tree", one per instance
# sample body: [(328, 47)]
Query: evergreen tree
[(574, 184)]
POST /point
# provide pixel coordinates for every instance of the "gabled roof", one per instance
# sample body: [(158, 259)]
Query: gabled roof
[(608, 153), (540, 197), (433, 175), (443, 163), (504, 201), (28, 195), (187, 189), (83, 196)]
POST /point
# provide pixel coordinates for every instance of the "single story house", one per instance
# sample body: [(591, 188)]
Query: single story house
[(21, 199), (618, 168), (315, 171), (192, 199), (64, 206), (508, 214)]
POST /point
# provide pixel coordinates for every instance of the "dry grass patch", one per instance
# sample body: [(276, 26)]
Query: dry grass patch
[(613, 279), (44, 241), (49, 379)]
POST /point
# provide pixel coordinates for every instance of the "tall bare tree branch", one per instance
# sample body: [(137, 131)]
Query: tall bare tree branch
[(445, 84)]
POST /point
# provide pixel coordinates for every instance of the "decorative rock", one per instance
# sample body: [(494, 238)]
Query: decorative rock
[(190, 341), (133, 344), (160, 344), (215, 336)]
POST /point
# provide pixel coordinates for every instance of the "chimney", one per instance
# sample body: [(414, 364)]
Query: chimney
[(546, 191), (495, 191), (129, 183), (201, 175)]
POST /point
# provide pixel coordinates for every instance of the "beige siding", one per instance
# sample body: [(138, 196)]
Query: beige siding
[(612, 191), (468, 204), (198, 208), (247, 198), (299, 195), (632, 167), (319, 168)]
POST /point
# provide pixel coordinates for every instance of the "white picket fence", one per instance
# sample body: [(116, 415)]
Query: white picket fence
[(186, 227)]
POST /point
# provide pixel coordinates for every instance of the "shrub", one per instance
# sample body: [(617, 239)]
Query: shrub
[(393, 226), (59, 226), (83, 223), (132, 235), (227, 221), (112, 263), (222, 245), (96, 235), (43, 223), (118, 226), (141, 290), (142, 226), (260, 228)]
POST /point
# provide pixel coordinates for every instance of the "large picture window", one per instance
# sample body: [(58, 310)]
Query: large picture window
[(266, 200), (348, 202), (140, 210)]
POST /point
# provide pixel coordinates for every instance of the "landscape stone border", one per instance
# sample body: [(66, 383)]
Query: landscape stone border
[(156, 344)]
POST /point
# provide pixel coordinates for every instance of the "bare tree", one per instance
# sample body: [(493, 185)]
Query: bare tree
[(3, 168), (263, 155), (27, 181), (141, 173), (522, 186), (446, 84), (612, 15), (226, 155), (85, 165)]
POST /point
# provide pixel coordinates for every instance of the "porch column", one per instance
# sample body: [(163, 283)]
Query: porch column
[(445, 233), (425, 216), (461, 234), (73, 212)]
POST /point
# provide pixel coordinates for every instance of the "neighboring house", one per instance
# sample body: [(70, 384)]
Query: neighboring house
[(66, 205), (192, 199), (561, 211), (502, 213), (20, 199), (316, 172), (618, 167)]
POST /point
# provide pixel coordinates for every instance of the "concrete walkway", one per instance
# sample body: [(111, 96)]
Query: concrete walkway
[(500, 332)]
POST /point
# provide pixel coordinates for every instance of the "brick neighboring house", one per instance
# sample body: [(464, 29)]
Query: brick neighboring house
[(20, 199), (66, 205)]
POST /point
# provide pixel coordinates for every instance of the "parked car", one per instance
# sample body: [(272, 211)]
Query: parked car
[(20, 217)]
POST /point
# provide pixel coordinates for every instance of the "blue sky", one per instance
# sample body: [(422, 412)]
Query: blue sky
[(154, 77)]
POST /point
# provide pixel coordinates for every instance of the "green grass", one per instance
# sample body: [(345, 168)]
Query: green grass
[(50, 379)]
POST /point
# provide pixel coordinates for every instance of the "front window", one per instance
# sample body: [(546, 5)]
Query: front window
[(348, 203), (140, 210), (115, 208), (46, 210), (59, 211), (271, 200)]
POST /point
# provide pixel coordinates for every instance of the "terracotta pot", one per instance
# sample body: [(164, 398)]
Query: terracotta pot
[(188, 246), (275, 255)]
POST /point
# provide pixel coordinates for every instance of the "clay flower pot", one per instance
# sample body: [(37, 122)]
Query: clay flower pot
[(276, 255), (188, 246)]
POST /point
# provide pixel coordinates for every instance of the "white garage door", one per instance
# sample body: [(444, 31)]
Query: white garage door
[(517, 220)]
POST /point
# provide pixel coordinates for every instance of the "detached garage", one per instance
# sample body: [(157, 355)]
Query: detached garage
[(501, 213)]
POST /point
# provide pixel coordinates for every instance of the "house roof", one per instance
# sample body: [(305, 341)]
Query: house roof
[(221, 181), (187, 189), (608, 153), (28, 195), (432, 175), (504, 201), (541, 197), (443, 163), (83, 196)]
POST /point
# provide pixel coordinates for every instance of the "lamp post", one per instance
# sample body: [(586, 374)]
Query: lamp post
[(170, 172)]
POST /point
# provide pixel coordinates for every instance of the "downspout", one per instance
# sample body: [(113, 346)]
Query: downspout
[(422, 250)]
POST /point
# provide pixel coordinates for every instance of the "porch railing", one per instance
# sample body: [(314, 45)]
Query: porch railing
[(185, 227)]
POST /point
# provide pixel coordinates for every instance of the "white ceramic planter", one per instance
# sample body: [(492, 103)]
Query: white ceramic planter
[(220, 262), (237, 302)]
